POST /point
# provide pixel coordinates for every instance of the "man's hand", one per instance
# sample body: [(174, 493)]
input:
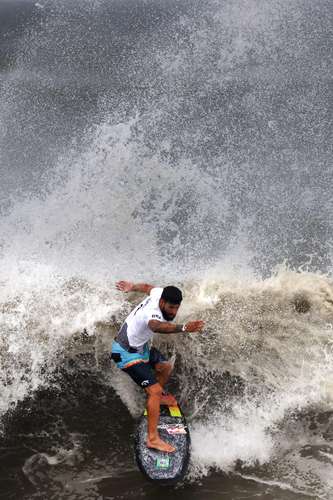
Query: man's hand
[(124, 286), (128, 286), (194, 326)]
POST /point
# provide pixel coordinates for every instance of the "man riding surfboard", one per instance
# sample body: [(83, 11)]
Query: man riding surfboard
[(147, 366)]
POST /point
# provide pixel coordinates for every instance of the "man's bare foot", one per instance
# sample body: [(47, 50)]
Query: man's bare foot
[(168, 399), (160, 445)]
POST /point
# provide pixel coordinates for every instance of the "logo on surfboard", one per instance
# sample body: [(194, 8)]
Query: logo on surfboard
[(173, 428), (163, 463)]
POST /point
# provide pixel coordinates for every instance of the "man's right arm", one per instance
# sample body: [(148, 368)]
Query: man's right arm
[(128, 286)]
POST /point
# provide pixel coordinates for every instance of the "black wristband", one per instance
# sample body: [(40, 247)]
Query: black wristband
[(179, 328)]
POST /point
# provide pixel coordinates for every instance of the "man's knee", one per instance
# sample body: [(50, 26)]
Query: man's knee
[(154, 390), (164, 367)]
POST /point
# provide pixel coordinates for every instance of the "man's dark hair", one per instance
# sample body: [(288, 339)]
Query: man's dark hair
[(172, 294)]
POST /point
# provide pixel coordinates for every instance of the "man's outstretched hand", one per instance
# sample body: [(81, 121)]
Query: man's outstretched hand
[(194, 326), (124, 286)]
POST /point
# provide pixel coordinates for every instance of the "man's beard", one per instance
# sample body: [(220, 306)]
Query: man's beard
[(166, 316)]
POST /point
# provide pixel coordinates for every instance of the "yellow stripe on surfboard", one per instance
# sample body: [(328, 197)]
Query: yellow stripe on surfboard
[(174, 411)]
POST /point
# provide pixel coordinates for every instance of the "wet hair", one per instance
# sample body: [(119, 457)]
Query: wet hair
[(172, 294)]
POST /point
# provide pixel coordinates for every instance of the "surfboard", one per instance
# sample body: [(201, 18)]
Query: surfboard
[(159, 466)]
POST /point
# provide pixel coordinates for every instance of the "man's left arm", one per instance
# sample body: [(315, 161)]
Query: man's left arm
[(167, 327)]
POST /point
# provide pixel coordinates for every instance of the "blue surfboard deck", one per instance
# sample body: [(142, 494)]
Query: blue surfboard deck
[(159, 466)]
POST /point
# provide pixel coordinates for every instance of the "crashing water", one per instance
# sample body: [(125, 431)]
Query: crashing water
[(257, 384)]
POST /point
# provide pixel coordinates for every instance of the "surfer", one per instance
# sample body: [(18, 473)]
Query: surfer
[(147, 366)]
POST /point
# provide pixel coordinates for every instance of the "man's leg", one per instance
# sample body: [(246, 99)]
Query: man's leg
[(143, 374), (163, 371), (154, 393)]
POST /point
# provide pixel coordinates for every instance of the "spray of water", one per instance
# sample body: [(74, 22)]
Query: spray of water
[(171, 144)]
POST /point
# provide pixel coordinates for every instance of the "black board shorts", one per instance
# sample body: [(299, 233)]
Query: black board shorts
[(143, 372)]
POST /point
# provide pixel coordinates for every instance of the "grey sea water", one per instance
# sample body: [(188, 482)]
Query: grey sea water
[(169, 142)]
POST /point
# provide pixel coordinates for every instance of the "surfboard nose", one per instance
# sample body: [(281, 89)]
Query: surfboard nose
[(165, 468)]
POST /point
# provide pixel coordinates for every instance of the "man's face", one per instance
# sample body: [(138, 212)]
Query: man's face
[(168, 310)]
